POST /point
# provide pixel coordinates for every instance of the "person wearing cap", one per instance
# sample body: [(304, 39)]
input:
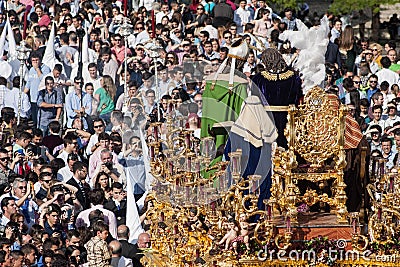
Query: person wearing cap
[(78, 104)]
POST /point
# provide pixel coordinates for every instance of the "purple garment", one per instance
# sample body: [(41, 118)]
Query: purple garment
[(281, 92)]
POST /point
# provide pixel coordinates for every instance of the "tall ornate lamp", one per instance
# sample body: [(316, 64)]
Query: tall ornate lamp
[(126, 30), (23, 54)]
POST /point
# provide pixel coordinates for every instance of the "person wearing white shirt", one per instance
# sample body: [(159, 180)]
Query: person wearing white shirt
[(210, 29), (70, 146), (241, 16), (61, 82), (392, 117), (65, 173), (385, 74), (93, 77), (98, 126), (14, 99), (164, 12), (377, 117), (142, 35), (164, 81), (336, 30)]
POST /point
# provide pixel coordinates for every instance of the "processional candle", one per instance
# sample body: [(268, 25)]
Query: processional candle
[(269, 211), (152, 153), (379, 213), (155, 132), (391, 185), (187, 140), (288, 226)]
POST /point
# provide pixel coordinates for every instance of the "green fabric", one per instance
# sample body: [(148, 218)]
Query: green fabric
[(220, 105), (394, 67), (105, 99)]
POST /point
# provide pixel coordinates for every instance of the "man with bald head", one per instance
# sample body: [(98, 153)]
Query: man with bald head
[(128, 250), (142, 243), (116, 258)]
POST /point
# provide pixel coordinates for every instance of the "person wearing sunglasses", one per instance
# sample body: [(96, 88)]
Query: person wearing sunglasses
[(45, 180), (372, 86), (119, 48), (5, 171), (377, 53), (23, 194)]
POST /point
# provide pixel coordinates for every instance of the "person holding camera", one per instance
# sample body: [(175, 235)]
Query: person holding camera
[(78, 104), (95, 159), (109, 164)]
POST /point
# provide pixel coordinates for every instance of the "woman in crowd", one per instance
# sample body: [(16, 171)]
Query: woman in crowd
[(105, 96), (262, 24), (347, 47), (376, 53), (199, 19)]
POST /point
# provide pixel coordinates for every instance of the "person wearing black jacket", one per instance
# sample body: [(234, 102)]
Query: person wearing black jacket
[(128, 250), (117, 204), (80, 171)]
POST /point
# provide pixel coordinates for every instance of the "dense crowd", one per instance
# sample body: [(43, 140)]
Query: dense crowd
[(65, 167)]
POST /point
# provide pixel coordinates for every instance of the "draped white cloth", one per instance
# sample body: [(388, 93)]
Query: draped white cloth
[(254, 124)]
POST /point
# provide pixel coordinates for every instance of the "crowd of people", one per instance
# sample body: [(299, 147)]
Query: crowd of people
[(64, 168)]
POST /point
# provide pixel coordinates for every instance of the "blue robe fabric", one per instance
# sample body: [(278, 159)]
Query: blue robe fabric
[(254, 160), (281, 92)]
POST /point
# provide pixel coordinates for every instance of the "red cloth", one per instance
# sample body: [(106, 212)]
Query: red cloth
[(352, 131), (44, 21)]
